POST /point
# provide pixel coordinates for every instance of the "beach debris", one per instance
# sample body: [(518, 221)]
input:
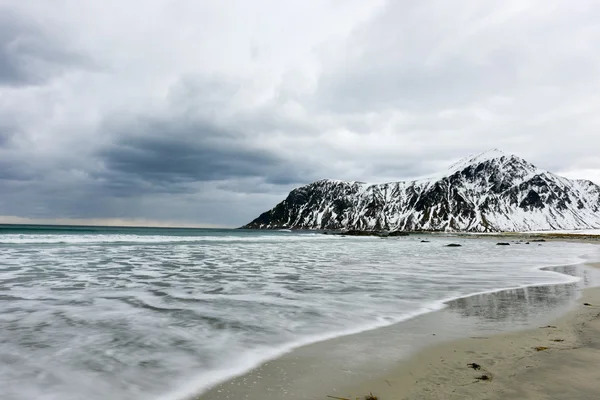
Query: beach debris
[(541, 348), (338, 398), (475, 366), (388, 382), (586, 304), (548, 326), (502, 244), (454, 245), (484, 377), (371, 397), (558, 340)]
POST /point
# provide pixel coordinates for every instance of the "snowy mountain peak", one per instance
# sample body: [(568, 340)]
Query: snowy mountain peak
[(495, 156), (488, 192), (481, 157)]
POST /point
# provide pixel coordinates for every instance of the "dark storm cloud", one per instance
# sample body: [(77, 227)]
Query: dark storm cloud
[(169, 155), (12, 171), (12, 165), (28, 53)]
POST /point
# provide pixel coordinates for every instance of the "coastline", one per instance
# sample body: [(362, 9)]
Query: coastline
[(288, 375), (555, 361)]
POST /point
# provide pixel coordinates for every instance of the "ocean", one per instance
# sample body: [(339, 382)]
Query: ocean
[(156, 313)]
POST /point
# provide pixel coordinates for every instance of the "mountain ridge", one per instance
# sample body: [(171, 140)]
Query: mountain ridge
[(488, 192)]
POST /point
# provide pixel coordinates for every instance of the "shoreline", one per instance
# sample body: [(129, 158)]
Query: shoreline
[(265, 367), (555, 361), (584, 236), (285, 351)]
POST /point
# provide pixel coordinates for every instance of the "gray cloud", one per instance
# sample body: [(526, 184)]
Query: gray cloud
[(169, 157), (28, 55), (375, 87), (6, 135), (206, 116), (170, 154)]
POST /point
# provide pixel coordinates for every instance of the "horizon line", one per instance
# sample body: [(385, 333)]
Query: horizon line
[(108, 223)]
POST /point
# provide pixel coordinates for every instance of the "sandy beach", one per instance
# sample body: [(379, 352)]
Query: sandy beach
[(556, 361)]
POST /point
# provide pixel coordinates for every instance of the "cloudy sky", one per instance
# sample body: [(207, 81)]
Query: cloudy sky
[(208, 112)]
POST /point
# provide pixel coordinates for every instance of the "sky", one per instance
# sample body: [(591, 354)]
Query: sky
[(207, 113)]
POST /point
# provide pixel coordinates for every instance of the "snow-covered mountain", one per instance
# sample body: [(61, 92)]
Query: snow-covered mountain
[(489, 192)]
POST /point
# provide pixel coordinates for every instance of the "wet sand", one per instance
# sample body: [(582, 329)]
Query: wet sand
[(555, 361)]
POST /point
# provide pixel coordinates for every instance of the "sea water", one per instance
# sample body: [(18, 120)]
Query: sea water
[(141, 313)]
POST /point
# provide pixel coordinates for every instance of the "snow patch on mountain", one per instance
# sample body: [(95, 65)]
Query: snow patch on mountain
[(488, 192)]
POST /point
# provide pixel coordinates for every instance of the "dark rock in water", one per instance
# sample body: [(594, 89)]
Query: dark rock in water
[(424, 241), (526, 242), (325, 233), (454, 245), (502, 244), (398, 233), (538, 240)]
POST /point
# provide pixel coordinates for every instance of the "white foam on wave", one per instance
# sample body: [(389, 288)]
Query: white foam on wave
[(107, 239), (254, 358)]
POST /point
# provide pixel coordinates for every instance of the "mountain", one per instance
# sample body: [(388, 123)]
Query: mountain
[(489, 192)]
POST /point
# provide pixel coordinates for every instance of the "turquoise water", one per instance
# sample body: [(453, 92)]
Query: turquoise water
[(6, 229), (156, 313)]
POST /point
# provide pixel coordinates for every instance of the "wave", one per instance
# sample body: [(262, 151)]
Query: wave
[(154, 239), (256, 357)]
